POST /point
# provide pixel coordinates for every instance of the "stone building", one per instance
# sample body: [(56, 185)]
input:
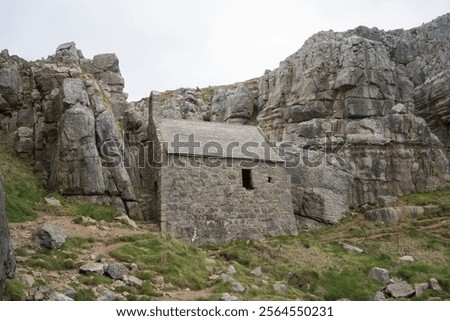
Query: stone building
[(215, 182)]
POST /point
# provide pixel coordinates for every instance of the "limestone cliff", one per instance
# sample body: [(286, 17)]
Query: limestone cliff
[(66, 110), (348, 103), (346, 111)]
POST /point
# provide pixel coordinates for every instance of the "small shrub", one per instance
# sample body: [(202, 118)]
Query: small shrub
[(85, 295)]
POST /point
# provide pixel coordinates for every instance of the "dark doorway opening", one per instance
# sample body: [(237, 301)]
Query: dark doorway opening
[(247, 181)]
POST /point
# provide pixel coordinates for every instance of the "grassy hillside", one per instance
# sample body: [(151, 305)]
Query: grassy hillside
[(22, 185)]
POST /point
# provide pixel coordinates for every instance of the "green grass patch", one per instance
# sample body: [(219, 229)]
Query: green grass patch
[(98, 212), (52, 260), (76, 243), (22, 185), (85, 295), (93, 279), (351, 284), (181, 264), (440, 198), (14, 290)]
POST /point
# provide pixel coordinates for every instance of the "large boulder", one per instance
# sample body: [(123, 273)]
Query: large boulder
[(50, 236), (7, 258)]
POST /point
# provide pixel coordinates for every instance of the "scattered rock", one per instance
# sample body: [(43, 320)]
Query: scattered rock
[(128, 221), (159, 280), (134, 267), (105, 294), (56, 296), (238, 287), (407, 258), (379, 296), (419, 288), (50, 236), (380, 274), (132, 281), (210, 261), (86, 220), (118, 283), (280, 287), (257, 271), (214, 277), (65, 289), (400, 289), (52, 201), (343, 299), (26, 279), (352, 248), (96, 257), (228, 297), (117, 271), (231, 270), (98, 268), (42, 292), (434, 284)]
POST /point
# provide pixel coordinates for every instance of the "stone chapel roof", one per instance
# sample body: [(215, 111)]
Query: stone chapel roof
[(216, 140)]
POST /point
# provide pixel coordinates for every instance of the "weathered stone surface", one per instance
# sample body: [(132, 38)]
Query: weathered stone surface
[(56, 296), (107, 62), (280, 287), (97, 268), (400, 289), (231, 270), (132, 281), (434, 284), (229, 297), (379, 296), (380, 274), (7, 257), (52, 201), (420, 287), (117, 271), (26, 279), (50, 236), (352, 248), (407, 258), (236, 286), (257, 271), (59, 106), (126, 220), (159, 280), (389, 215), (104, 294), (66, 290)]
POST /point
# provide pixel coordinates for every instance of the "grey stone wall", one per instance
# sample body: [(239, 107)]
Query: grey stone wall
[(210, 205)]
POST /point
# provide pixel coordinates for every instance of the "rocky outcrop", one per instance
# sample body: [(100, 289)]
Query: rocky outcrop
[(347, 93), (345, 110), (67, 112), (7, 258)]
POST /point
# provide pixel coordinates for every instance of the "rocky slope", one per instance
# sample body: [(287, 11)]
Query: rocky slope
[(7, 259), (345, 111)]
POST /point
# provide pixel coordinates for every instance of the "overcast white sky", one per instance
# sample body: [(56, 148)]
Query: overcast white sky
[(169, 44)]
